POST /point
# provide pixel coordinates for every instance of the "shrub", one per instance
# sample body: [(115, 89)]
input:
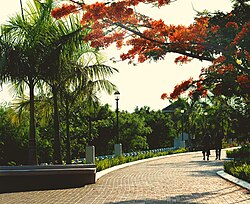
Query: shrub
[(243, 152), (240, 166), (238, 169)]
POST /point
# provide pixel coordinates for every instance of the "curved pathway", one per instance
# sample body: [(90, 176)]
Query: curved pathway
[(183, 178)]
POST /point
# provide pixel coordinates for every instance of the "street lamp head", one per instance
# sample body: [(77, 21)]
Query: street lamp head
[(117, 95), (182, 111)]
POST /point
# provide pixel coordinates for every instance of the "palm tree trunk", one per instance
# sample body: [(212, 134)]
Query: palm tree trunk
[(57, 144), (32, 132), (68, 158)]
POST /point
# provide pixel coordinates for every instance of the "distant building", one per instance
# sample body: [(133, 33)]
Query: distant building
[(170, 109)]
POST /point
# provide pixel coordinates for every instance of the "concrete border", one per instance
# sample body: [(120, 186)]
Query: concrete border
[(35, 177), (234, 180)]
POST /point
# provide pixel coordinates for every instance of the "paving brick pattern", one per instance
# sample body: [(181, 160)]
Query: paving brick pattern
[(176, 179)]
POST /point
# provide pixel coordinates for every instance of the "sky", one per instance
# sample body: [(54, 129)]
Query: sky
[(143, 84)]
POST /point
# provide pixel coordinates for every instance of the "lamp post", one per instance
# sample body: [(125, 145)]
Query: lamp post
[(205, 121), (182, 123), (117, 97)]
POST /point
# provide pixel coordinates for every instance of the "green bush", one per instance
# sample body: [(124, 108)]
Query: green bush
[(243, 152), (238, 169), (107, 163), (240, 166)]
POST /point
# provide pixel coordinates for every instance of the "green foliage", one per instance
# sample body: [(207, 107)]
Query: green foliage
[(139, 143), (13, 137), (241, 153), (240, 166), (132, 131), (232, 118), (162, 127), (238, 169)]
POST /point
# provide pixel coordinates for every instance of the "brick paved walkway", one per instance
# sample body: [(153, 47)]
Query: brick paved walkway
[(176, 179)]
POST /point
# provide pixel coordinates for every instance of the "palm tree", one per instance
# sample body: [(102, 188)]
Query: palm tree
[(21, 57), (82, 85), (30, 54), (35, 49), (65, 41)]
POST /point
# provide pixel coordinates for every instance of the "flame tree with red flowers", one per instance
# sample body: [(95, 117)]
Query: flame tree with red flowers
[(222, 38)]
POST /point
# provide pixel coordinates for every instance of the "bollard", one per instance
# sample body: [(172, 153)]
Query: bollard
[(90, 154), (118, 150)]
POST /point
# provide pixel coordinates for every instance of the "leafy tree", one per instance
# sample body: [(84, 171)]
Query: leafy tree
[(221, 38), (13, 138), (162, 127), (132, 131), (132, 127), (101, 134), (14, 129)]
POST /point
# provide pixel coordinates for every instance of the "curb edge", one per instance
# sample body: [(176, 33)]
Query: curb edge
[(234, 180)]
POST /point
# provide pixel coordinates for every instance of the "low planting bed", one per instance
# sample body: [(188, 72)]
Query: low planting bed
[(35, 177), (240, 165)]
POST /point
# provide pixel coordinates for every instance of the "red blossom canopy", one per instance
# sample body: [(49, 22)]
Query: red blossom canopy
[(220, 38)]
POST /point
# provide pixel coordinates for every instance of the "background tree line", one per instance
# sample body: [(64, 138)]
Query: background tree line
[(140, 130)]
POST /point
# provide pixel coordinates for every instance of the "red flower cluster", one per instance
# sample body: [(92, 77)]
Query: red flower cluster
[(219, 60), (243, 80), (200, 91), (215, 29), (182, 59), (64, 11), (232, 25), (181, 88), (225, 68), (164, 96), (244, 31)]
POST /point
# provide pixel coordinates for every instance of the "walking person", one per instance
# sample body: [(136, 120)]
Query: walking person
[(218, 145), (206, 145)]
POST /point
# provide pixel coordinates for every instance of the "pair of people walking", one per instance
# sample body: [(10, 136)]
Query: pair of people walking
[(207, 146)]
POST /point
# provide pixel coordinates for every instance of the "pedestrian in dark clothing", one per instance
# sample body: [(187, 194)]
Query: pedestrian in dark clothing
[(206, 145), (218, 145)]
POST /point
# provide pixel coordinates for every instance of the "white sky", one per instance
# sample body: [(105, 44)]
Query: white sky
[(142, 85)]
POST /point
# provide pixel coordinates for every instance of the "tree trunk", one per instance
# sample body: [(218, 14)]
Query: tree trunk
[(68, 157), (32, 131), (57, 142)]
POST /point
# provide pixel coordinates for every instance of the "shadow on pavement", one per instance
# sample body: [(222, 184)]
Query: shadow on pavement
[(151, 202), (203, 197), (218, 165)]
